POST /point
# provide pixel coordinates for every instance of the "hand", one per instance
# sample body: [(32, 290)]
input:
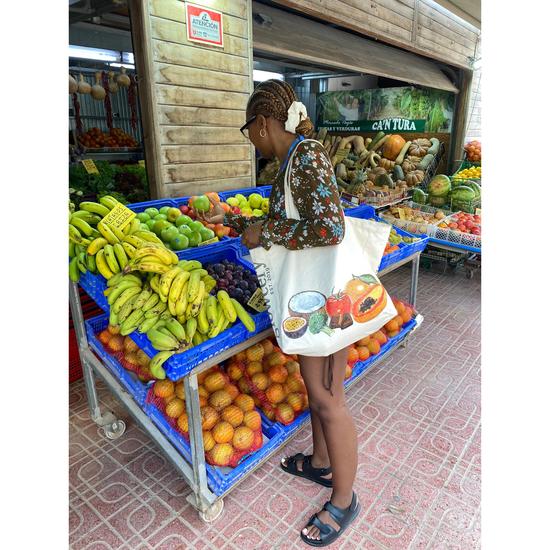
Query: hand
[(251, 235), (214, 215)]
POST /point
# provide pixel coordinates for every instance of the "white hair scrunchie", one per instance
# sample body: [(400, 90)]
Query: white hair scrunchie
[(296, 113)]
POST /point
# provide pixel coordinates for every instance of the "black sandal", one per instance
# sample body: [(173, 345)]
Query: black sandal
[(308, 471), (342, 516)]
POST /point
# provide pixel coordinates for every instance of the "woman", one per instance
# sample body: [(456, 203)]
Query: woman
[(276, 125)]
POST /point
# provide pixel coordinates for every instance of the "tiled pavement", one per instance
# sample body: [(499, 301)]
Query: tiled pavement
[(418, 419)]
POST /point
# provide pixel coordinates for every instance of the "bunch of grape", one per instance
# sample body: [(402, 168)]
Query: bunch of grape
[(235, 279)]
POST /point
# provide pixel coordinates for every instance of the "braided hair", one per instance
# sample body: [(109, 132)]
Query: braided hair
[(273, 98)]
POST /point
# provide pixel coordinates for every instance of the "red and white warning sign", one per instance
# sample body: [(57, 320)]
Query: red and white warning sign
[(204, 25)]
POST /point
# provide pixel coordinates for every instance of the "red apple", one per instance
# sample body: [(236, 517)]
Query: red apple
[(184, 209), (236, 210)]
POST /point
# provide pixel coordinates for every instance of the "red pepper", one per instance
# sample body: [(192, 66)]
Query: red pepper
[(338, 304)]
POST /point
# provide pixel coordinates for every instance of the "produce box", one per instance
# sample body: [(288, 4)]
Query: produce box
[(429, 226), (219, 478), (112, 360), (384, 198)]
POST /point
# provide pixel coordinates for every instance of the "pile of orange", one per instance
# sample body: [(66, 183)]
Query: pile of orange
[(95, 138), (126, 351), (273, 380), (230, 425)]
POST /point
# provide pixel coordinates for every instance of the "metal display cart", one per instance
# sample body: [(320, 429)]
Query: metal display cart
[(208, 503)]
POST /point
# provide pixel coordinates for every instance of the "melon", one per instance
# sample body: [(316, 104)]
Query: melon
[(439, 186)]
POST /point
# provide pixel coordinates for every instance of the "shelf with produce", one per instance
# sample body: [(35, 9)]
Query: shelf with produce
[(130, 390)]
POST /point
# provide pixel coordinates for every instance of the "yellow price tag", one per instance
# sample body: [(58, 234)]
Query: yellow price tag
[(141, 163), (209, 241), (119, 217), (90, 166), (478, 211), (257, 301)]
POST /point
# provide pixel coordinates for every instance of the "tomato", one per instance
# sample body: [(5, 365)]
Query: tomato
[(338, 304)]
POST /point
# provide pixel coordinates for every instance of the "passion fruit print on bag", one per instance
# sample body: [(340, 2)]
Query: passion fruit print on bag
[(362, 299)]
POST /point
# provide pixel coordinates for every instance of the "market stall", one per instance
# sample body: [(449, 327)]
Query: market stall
[(124, 349)]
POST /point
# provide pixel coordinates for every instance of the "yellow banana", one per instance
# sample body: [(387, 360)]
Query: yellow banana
[(96, 245), (227, 306), (155, 365), (148, 236), (129, 249), (92, 219), (134, 241), (151, 249), (190, 265), (166, 281), (196, 304), (211, 311), (105, 230), (102, 265), (175, 290), (194, 285), (134, 226), (108, 201), (181, 303), (121, 256), (217, 328), (190, 328), (148, 267), (126, 229), (118, 233), (111, 258), (203, 324), (154, 282)]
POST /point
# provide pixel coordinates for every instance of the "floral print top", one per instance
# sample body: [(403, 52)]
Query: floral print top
[(315, 193)]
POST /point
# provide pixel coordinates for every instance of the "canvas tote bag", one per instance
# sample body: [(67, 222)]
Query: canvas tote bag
[(323, 299)]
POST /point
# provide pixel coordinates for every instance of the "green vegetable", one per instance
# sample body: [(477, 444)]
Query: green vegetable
[(318, 323), (425, 162), (434, 148), (375, 140)]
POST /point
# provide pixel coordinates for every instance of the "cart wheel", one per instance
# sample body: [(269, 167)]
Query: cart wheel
[(115, 430), (213, 513), (469, 274)]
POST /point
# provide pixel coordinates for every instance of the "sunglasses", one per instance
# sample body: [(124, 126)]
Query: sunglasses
[(244, 127)]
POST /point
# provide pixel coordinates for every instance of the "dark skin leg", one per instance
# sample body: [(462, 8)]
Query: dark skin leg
[(337, 427)]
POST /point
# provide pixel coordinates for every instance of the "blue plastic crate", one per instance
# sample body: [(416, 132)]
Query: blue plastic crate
[(181, 364), (364, 211), (457, 246), (94, 285), (219, 479), (135, 387), (263, 190), (159, 203)]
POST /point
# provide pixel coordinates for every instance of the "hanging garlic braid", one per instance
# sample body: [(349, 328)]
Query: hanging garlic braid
[(273, 98)]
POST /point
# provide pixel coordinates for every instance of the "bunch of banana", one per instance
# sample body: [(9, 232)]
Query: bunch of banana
[(80, 261), (151, 257)]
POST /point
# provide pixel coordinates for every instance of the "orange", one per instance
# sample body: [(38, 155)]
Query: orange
[(209, 418), (219, 400), (296, 401), (202, 376), (267, 344), (353, 354), (131, 357), (232, 390), (399, 320), (295, 383), (203, 401), (364, 352), (104, 336), (276, 358), (169, 398), (221, 454), (393, 333), (143, 358), (180, 390), (254, 367), (175, 408), (113, 329), (363, 341), (241, 356), (253, 420), (234, 372), (244, 386), (407, 315), (278, 373), (223, 432), (208, 440), (399, 306), (381, 337), (255, 353), (243, 438), (275, 393), (292, 366), (163, 388), (284, 413), (349, 371), (234, 415), (116, 343), (129, 344), (391, 326), (270, 413), (260, 380), (214, 382), (203, 391), (257, 402), (245, 402), (183, 422), (374, 346)]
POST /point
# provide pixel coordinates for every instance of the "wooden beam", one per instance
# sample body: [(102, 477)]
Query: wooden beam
[(460, 119)]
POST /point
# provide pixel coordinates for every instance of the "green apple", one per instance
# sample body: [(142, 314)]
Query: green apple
[(206, 234), (151, 211), (144, 227), (240, 198), (160, 217), (185, 230), (255, 200), (179, 242), (257, 212), (183, 220), (196, 226), (246, 211), (265, 206), (169, 233), (143, 217), (164, 210), (194, 239), (159, 225), (150, 224), (173, 214), (232, 201), (201, 204)]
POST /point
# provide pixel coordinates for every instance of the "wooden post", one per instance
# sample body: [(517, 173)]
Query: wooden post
[(460, 119)]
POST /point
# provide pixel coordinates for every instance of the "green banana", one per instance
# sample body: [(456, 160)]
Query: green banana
[(90, 263), (190, 265), (94, 208), (134, 226), (119, 277), (74, 234), (81, 262), (155, 365), (119, 289), (113, 318), (121, 256), (154, 282), (147, 324), (197, 339), (126, 310), (82, 226), (74, 272), (88, 217), (131, 322), (202, 272), (151, 302), (159, 324), (125, 296), (244, 316), (142, 298), (72, 252), (190, 328), (176, 329), (159, 308), (161, 341)]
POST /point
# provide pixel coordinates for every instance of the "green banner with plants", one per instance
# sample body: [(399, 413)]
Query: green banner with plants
[(407, 109)]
